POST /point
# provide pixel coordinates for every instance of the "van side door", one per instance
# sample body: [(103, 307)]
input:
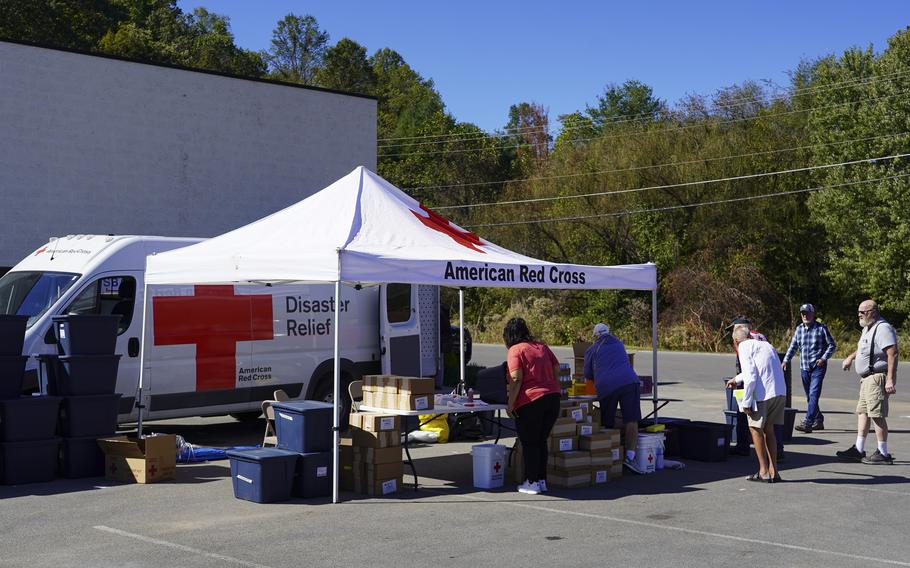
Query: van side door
[(399, 325)]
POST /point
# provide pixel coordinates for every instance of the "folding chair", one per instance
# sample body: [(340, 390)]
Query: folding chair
[(355, 389), (280, 396), (269, 438)]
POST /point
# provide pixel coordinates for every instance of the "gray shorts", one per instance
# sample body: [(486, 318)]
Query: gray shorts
[(771, 410)]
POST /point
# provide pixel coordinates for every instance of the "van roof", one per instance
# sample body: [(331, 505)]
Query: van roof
[(84, 253)]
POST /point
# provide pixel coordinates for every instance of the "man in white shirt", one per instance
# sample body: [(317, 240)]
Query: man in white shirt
[(764, 398)]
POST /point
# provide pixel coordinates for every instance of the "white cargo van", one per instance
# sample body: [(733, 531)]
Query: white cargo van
[(220, 349)]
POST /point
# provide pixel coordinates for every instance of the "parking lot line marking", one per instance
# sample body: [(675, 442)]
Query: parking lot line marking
[(182, 547), (698, 532)]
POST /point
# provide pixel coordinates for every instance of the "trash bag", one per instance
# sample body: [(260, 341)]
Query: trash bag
[(435, 423)]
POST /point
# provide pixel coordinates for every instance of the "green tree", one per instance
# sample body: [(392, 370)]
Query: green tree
[(346, 68), (75, 24), (297, 51)]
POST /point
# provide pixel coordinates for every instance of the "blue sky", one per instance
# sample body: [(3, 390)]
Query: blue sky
[(485, 56)]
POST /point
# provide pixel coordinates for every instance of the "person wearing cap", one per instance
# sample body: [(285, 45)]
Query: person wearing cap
[(876, 364), (764, 398), (607, 364), (815, 345)]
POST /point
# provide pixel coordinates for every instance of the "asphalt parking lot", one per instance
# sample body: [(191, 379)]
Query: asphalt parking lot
[(825, 513)]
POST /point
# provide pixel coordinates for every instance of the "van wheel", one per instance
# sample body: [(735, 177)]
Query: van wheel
[(324, 393), (246, 416)]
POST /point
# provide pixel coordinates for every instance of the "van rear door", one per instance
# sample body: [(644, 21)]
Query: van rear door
[(400, 330)]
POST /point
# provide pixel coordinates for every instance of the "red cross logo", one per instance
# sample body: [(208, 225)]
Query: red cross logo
[(214, 320), (439, 223), (497, 467), (650, 458), (40, 250), (153, 470)]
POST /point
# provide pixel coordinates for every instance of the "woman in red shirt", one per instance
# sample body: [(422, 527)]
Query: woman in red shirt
[(533, 399)]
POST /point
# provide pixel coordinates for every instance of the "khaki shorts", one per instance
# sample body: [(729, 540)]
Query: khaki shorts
[(873, 400), (771, 410)]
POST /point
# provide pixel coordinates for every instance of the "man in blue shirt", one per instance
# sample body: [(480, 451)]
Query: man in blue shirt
[(816, 346), (607, 363)]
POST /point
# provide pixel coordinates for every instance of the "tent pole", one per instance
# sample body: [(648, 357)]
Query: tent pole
[(139, 405), (654, 349), (337, 391), (461, 385)]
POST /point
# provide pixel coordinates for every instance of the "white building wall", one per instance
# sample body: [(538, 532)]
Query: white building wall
[(97, 145)]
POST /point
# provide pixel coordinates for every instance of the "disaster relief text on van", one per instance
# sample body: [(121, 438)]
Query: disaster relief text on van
[(219, 349)]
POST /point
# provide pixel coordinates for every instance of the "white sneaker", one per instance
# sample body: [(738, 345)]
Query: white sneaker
[(630, 464), (529, 488), (543, 485)]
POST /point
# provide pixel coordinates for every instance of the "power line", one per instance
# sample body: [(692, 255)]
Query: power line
[(681, 184), (699, 124), (645, 117), (687, 206), (668, 164)]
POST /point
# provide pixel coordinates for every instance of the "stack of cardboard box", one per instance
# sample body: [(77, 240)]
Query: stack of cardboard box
[(371, 461), (399, 393), (605, 453)]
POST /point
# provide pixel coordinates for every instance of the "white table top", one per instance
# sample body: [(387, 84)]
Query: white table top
[(448, 409)]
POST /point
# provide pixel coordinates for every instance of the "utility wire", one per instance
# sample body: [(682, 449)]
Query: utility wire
[(699, 124), (687, 206), (645, 117), (682, 184), (667, 164)]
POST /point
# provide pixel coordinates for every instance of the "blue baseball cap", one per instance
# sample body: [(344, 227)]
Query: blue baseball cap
[(808, 308)]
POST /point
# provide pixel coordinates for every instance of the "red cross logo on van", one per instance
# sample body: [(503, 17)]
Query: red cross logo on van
[(214, 319)]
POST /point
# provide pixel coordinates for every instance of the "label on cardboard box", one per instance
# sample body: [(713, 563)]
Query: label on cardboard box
[(322, 471), (578, 414), (390, 486), (423, 403), (387, 423), (615, 453), (585, 430), (600, 476), (565, 444)]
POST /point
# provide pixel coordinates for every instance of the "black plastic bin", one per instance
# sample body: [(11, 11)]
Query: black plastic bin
[(28, 418), (79, 375), (93, 415), (671, 433), (81, 457), (12, 334), (789, 422), (86, 334), (12, 369), (314, 475), (704, 441), (34, 461)]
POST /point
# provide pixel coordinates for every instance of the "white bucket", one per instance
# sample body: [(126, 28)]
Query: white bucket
[(646, 452), (489, 465)]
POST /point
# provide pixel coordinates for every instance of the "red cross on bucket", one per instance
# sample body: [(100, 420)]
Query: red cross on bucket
[(214, 320), (497, 467), (650, 458)]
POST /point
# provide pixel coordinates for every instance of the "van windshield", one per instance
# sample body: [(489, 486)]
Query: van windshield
[(32, 293)]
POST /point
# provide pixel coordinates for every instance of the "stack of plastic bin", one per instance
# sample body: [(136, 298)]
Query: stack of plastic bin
[(305, 427), (85, 375), (28, 447)]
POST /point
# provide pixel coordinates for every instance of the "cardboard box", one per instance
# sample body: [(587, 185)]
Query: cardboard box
[(563, 443), (377, 455), (602, 440), (416, 385), (570, 461), (603, 458), (416, 401), (615, 471), (374, 421), (377, 487), (576, 413), (569, 480), (139, 460), (563, 427), (377, 472), (599, 475), (366, 439)]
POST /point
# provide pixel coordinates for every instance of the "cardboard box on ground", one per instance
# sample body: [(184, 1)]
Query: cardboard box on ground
[(598, 462), (371, 461), (399, 393), (139, 460)]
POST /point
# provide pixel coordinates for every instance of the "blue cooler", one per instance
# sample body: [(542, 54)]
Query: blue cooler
[(314, 475), (93, 415), (81, 457), (86, 334), (34, 461), (264, 475), (303, 426), (28, 418)]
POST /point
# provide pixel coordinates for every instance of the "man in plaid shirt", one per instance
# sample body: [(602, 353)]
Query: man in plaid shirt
[(816, 346)]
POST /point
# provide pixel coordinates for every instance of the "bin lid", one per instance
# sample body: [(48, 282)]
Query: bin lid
[(261, 454), (301, 406)]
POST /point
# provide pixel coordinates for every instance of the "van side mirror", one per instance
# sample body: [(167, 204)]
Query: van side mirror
[(49, 337)]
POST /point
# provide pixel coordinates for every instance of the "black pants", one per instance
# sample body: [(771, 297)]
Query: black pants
[(534, 422)]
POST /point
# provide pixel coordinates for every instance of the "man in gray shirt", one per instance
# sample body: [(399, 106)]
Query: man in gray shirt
[(876, 364)]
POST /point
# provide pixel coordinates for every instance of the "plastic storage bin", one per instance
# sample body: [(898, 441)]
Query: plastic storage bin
[(86, 334), (94, 415), (76, 375), (489, 462), (28, 418), (12, 369), (789, 422), (704, 441), (314, 475), (263, 476), (303, 426), (12, 334), (81, 457), (33, 461)]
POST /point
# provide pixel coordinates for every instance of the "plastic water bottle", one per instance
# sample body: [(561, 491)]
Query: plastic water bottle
[(659, 457), (470, 398)]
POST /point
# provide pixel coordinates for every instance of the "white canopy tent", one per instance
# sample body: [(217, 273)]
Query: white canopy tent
[(362, 230)]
